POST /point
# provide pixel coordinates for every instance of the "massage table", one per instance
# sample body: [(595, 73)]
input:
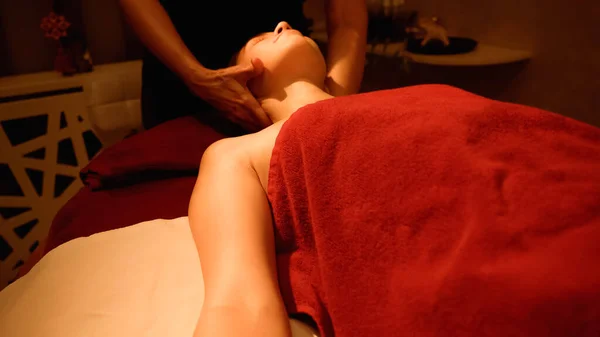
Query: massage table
[(144, 280), (439, 212)]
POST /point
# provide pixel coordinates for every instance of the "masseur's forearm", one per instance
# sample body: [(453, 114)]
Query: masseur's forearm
[(155, 29), (347, 22)]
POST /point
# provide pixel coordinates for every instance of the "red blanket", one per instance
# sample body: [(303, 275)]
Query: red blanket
[(148, 176), (429, 211)]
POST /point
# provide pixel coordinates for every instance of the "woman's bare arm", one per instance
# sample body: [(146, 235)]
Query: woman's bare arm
[(231, 224)]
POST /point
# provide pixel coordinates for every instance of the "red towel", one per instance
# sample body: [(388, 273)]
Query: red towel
[(170, 149), (429, 211), (148, 176), (91, 212)]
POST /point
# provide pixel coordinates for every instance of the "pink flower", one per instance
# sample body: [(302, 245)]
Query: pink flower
[(63, 25), (45, 26), (52, 17), (54, 26), (56, 34)]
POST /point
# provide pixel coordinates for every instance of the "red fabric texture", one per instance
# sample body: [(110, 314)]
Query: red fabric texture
[(91, 212), (429, 211), (173, 147), (148, 176)]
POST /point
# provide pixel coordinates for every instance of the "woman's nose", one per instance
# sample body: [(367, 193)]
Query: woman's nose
[(281, 27)]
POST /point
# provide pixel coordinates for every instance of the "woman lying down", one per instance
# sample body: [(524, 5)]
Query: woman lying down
[(423, 211)]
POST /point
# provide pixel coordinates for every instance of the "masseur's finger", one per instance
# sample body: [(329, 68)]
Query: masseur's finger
[(259, 67), (245, 72)]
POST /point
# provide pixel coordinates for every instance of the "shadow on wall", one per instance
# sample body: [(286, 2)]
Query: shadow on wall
[(490, 81), (109, 36), (3, 55), (496, 81)]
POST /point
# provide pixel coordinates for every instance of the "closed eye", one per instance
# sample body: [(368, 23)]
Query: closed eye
[(260, 37)]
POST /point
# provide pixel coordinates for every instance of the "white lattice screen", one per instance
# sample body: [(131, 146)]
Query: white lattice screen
[(43, 146), (50, 127)]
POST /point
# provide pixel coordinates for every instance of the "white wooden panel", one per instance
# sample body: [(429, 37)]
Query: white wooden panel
[(72, 108)]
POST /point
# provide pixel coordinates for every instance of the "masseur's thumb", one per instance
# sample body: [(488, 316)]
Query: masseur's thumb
[(250, 70), (258, 66)]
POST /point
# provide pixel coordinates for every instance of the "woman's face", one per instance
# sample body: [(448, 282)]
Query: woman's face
[(287, 56)]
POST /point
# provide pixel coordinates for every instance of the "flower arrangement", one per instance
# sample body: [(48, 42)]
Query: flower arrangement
[(72, 55), (54, 26)]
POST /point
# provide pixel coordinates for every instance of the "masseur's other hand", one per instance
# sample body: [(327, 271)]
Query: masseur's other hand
[(226, 89)]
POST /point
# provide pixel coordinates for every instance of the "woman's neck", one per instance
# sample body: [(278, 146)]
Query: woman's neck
[(281, 105)]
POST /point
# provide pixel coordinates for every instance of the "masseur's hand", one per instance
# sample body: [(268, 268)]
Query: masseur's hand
[(226, 89)]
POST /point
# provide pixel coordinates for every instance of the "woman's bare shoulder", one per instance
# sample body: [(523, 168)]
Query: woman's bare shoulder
[(250, 145), (258, 148), (253, 150)]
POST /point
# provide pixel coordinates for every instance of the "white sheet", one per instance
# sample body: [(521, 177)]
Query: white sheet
[(143, 280)]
